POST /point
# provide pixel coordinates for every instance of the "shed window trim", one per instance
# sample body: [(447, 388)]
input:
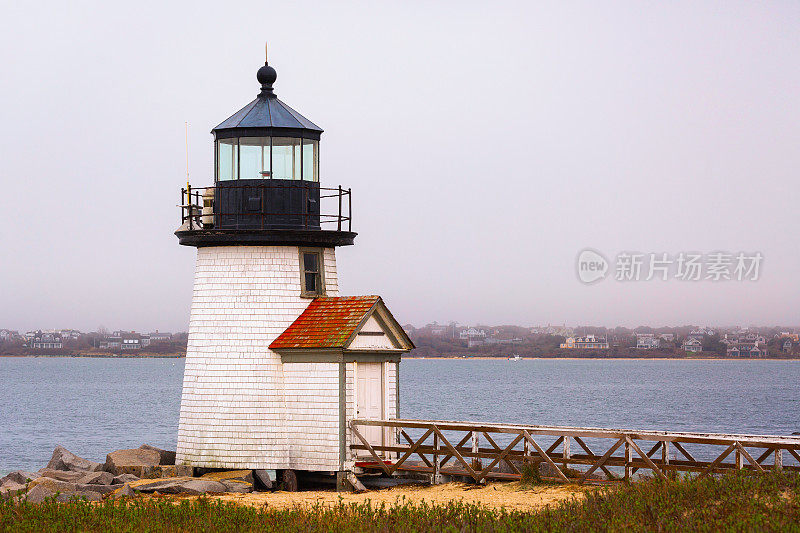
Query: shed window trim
[(318, 275)]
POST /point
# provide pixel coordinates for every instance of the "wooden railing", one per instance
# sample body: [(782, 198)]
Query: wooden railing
[(476, 450)]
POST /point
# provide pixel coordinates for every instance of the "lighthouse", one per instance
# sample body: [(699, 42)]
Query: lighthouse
[(277, 362)]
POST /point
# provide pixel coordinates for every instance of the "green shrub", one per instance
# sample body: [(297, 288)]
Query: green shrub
[(734, 502)]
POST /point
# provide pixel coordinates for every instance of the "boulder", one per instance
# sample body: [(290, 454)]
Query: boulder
[(261, 479), (61, 475), (10, 488), (38, 494), (101, 489), (159, 471), (124, 478), (237, 486), (131, 461), (19, 476), (184, 485), (79, 495), (167, 457), (53, 485), (63, 459), (97, 478), (124, 492)]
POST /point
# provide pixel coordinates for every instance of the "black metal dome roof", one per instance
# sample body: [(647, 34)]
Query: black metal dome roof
[(267, 115)]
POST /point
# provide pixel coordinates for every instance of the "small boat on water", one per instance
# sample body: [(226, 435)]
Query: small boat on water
[(514, 357)]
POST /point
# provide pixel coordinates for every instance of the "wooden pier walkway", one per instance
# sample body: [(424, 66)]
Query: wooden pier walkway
[(471, 449)]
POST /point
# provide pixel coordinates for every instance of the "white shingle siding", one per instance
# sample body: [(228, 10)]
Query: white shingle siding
[(242, 408)]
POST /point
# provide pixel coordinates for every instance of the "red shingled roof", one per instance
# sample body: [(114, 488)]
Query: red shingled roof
[(327, 322)]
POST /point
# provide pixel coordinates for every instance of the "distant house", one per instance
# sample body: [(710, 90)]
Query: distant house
[(588, 342), (646, 341), (667, 337), (692, 346), (8, 335), (114, 343), (746, 350), (473, 336), (131, 344), (46, 341), (157, 336), (472, 333), (787, 346)]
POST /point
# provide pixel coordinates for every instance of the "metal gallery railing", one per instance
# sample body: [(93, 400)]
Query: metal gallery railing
[(200, 211), (483, 451)]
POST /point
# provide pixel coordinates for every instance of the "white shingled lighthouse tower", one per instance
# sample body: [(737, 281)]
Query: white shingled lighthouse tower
[(277, 362)]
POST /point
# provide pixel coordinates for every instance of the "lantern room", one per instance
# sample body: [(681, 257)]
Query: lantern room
[(266, 182)]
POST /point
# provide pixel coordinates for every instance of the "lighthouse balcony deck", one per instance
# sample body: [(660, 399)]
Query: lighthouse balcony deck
[(265, 212)]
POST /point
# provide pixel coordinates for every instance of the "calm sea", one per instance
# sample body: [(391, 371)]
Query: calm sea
[(93, 406)]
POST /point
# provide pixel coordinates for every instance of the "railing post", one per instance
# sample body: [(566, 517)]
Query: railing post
[(567, 454), (526, 452), (628, 460), (739, 459), (476, 462), (189, 205), (349, 209), (437, 461), (778, 459), (339, 218)]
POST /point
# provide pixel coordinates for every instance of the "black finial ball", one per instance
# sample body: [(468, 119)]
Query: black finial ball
[(266, 75)]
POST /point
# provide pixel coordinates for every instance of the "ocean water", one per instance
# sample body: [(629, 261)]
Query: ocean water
[(93, 406)]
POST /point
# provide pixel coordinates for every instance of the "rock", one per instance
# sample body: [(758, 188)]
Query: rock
[(79, 495), (237, 486), (38, 494), (182, 486), (159, 471), (53, 485), (10, 488), (124, 492), (63, 459), (261, 479), (131, 461), (167, 457), (97, 478), (61, 475), (124, 478), (19, 476), (102, 489)]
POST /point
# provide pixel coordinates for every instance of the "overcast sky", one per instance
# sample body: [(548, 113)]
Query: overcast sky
[(486, 143)]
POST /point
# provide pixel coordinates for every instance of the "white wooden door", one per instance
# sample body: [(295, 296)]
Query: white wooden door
[(369, 400)]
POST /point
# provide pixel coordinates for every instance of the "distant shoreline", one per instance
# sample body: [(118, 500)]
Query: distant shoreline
[(483, 357), (105, 355), (432, 357)]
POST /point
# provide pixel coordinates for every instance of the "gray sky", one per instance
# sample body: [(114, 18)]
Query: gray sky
[(486, 143)]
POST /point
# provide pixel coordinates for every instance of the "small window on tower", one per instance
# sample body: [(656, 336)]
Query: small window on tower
[(311, 273)]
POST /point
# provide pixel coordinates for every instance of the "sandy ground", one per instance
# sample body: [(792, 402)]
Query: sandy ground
[(496, 495)]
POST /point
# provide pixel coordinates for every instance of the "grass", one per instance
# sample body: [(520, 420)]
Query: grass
[(734, 502)]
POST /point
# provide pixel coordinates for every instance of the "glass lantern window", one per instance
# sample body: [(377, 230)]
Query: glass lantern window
[(283, 158), (310, 160), (286, 158), (227, 159), (254, 158)]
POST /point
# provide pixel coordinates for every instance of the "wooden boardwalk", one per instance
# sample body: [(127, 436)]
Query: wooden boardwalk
[(471, 449)]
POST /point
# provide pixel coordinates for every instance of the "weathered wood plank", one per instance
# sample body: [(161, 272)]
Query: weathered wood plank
[(647, 459), (602, 460), (544, 456)]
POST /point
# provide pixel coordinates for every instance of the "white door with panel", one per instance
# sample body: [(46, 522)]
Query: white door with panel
[(370, 401)]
